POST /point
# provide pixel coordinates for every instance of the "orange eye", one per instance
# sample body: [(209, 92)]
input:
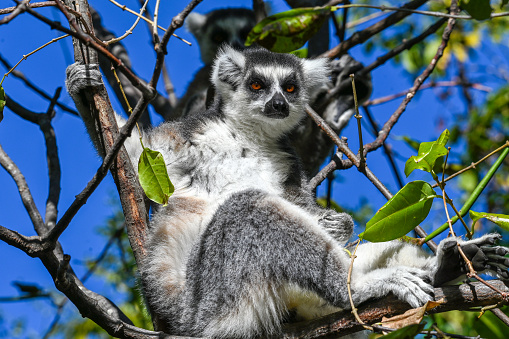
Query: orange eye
[(290, 88), (256, 86)]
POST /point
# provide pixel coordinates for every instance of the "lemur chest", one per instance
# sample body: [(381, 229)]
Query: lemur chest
[(222, 166)]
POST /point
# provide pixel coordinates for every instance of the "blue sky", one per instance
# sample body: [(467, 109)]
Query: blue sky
[(25, 145)]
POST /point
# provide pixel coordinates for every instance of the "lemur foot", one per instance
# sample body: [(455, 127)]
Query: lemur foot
[(339, 225), (482, 252), (406, 283), (412, 286), (80, 76)]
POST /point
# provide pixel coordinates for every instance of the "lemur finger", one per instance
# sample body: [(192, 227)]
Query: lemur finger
[(499, 250), (498, 259), (488, 239)]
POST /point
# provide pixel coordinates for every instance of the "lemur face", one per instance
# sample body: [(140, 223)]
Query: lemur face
[(228, 26), (263, 88)]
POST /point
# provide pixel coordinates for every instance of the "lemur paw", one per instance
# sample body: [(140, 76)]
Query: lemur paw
[(81, 76), (412, 286), (339, 225), (406, 283), (482, 252)]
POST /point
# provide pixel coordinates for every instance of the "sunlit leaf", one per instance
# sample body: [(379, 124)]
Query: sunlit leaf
[(501, 220), (405, 210), (153, 176), (478, 9), (428, 153), (288, 31)]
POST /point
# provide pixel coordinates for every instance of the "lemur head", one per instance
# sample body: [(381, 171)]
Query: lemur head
[(223, 26), (262, 89)]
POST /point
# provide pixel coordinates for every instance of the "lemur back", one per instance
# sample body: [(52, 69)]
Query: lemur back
[(242, 245)]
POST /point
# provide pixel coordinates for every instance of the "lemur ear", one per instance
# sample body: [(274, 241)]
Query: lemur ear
[(194, 23), (228, 68), (316, 74)]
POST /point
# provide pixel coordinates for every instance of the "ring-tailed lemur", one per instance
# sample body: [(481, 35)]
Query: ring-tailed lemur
[(242, 242), (228, 26), (231, 26)]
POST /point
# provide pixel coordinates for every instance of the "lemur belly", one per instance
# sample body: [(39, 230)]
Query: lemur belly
[(174, 231)]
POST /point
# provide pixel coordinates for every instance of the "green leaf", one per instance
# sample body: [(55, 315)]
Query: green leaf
[(501, 220), (428, 153), (478, 9), (405, 210), (287, 31), (153, 176), (407, 332), (2, 102)]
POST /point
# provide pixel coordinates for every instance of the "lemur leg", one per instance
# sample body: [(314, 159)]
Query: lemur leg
[(254, 248), (258, 246), (394, 266)]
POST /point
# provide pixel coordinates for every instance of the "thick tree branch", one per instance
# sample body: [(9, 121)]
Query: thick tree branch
[(469, 296)]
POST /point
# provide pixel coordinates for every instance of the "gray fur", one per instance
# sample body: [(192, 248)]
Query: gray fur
[(242, 242)]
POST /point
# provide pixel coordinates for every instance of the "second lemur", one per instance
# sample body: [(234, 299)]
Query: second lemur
[(242, 243)]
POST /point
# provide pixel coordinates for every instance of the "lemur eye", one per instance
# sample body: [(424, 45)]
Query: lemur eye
[(256, 86), (289, 88)]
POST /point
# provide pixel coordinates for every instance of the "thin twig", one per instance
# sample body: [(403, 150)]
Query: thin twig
[(339, 88), (125, 8), (130, 30), (433, 84), (474, 164), (361, 36), (53, 160), (384, 132), (79, 34), (36, 89), (29, 54), (19, 9), (427, 13), (31, 5), (349, 288), (24, 191), (387, 148), (362, 160), (156, 16)]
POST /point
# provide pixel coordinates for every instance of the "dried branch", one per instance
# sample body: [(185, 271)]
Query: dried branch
[(31, 5), (149, 21), (36, 89), (384, 132), (53, 162), (474, 164), (432, 84), (457, 297), (361, 36), (387, 148), (88, 40), (24, 190), (19, 9), (339, 88)]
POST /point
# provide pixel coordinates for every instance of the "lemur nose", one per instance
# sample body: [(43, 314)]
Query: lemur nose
[(279, 104)]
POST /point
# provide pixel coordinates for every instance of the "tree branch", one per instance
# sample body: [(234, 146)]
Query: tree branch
[(361, 36), (384, 132), (468, 296)]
